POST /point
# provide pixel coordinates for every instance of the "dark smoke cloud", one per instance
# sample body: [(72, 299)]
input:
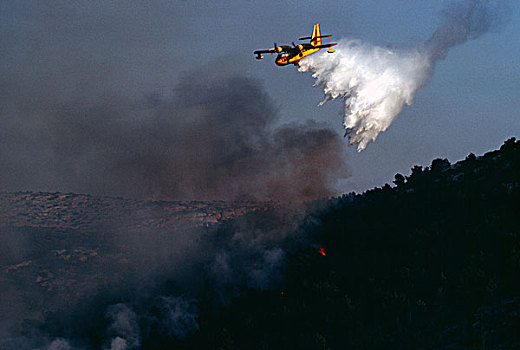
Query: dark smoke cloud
[(212, 140), (80, 112)]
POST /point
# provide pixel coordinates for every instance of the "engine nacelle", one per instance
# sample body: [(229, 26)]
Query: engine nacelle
[(259, 57)]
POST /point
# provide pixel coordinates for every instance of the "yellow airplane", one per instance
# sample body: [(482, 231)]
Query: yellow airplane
[(293, 54)]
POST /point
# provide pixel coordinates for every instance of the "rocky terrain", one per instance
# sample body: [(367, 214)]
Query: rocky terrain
[(57, 249), (77, 211)]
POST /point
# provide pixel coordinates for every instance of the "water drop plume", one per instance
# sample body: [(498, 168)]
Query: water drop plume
[(376, 82)]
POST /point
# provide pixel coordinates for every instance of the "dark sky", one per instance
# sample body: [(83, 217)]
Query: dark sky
[(72, 69)]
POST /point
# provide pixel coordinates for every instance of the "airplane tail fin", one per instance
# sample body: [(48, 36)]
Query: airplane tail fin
[(316, 35)]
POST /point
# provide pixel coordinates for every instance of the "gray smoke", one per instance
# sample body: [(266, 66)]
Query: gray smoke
[(376, 83), (213, 139), (79, 112), (465, 20), (124, 327), (59, 344), (149, 283), (179, 316)]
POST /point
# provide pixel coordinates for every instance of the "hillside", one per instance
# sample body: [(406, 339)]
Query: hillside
[(58, 249), (85, 212), (432, 263)]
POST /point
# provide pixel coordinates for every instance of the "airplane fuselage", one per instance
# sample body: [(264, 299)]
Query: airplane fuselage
[(285, 59)]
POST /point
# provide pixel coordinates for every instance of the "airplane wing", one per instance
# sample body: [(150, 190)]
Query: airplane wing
[(288, 48), (259, 52), (277, 49), (324, 46)]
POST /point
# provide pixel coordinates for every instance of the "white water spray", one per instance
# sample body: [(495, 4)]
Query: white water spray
[(374, 82), (377, 82)]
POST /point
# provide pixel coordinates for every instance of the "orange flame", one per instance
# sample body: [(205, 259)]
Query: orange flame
[(322, 251)]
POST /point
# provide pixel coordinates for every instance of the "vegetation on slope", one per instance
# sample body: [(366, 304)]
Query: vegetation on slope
[(432, 263)]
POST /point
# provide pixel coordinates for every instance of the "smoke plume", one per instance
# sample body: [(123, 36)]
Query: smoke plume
[(156, 282), (214, 138), (91, 101), (377, 82), (87, 106)]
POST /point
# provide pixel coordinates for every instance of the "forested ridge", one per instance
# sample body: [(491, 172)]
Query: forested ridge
[(430, 263)]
